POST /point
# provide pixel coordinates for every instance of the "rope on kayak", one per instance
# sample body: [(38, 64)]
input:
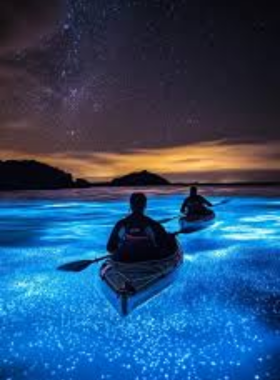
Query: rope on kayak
[(128, 272)]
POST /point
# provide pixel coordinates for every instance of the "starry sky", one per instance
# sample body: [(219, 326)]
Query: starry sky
[(188, 89)]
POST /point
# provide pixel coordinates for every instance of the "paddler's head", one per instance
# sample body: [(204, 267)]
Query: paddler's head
[(138, 202), (193, 191)]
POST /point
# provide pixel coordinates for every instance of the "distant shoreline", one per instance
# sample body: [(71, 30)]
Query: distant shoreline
[(28, 175), (203, 184), (171, 185)]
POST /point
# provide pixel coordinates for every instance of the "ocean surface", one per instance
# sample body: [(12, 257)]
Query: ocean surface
[(219, 321)]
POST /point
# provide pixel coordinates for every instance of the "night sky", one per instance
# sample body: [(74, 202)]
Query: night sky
[(188, 89)]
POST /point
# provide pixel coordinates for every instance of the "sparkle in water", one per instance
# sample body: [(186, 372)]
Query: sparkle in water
[(220, 320)]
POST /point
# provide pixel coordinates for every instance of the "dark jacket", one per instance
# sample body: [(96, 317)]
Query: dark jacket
[(195, 204), (137, 234)]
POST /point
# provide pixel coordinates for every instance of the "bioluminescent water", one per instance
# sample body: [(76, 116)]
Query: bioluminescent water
[(220, 320)]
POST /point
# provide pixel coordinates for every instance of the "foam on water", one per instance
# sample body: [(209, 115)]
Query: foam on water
[(220, 320)]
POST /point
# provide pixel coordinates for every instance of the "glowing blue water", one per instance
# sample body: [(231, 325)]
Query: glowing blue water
[(219, 321)]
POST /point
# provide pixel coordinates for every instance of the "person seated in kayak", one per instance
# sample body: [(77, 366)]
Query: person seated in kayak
[(195, 204), (138, 237)]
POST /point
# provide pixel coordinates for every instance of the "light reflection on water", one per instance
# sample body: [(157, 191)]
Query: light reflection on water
[(220, 320)]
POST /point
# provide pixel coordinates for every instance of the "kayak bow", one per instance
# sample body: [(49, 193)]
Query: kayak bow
[(128, 285), (195, 223)]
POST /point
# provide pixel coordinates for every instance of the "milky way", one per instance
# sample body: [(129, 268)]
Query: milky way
[(87, 76)]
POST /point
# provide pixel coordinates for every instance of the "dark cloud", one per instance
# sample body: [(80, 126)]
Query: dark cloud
[(114, 76), (19, 93), (23, 22), (23, 99), (228, 176)]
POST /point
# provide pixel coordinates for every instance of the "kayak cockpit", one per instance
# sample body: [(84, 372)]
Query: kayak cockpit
[(127, 285), (192, 223)]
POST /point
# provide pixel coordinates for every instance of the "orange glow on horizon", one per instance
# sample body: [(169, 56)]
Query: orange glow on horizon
[(210, 157)]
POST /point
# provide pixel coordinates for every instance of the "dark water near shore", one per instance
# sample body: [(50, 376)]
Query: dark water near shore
[(219, 321)]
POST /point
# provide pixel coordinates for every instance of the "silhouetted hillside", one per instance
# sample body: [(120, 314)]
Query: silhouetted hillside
[(143, 178), (81, 183), (32, 175)]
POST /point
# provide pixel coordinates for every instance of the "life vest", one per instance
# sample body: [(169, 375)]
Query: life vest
[(195, 206), (137, 235), (136, 244)]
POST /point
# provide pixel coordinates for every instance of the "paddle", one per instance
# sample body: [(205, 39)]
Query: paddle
[(78, 266), (176, 233), (166, 220), (162, 221), (221, 203)]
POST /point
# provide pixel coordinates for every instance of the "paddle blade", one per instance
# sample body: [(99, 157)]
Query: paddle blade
[(75, 266)]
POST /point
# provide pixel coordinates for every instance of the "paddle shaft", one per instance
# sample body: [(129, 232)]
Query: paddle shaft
[(100, 259), (176, 233), (180, 215), (78, 266)]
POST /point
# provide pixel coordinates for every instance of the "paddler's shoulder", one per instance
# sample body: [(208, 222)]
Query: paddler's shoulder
[(151, 221)]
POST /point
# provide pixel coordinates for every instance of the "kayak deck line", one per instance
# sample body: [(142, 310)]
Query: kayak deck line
[(196, 222), (128, 285), (126, 271)]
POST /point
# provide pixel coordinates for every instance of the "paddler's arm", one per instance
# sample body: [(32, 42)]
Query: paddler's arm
[(184, 206), (113, 242), (160, 234), (206, 202)]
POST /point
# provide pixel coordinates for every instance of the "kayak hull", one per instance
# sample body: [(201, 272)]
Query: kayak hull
[(188, 225), (127, 286)]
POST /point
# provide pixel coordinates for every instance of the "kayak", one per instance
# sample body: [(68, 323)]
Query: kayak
[(195, 223), (128, 285)]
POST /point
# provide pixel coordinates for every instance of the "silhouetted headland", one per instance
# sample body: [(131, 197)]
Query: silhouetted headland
[(142, 178), (34, 175)]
